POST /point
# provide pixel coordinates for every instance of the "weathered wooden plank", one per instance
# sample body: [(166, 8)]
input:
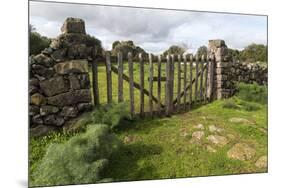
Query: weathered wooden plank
[(211, 77), (95, 83), (131, 84), (159, 85), (206, 80), (150, 84), (179, 83), (201, 78), (141, 85), (184, 81), (172, 71), (108, 78), (196, 78), (120, 78), (167, 86), (190, 81)]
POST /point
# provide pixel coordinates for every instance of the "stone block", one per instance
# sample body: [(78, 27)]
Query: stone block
[(37, 99), (69, 111), (53, 86), (72, 66), (48, 109), (73, 25)]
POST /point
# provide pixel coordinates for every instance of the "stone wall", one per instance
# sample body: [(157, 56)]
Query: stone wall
[(227, 73), (59, 85)]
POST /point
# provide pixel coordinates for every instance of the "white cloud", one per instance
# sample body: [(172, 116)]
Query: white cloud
[(154, 30)]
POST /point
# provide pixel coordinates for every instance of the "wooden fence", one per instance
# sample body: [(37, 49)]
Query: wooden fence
[(188, 81)]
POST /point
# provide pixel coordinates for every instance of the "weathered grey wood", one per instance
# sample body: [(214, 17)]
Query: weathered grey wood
[(196, 78), (159, 85), (167, 86), (206, 80), (131, 84), (179, 83), (201, 78), (184, 81), (211, 77), (95, 83), (108, 78), (150, 84), (141, 85), (172, 71), (190, 81), (120, 79)]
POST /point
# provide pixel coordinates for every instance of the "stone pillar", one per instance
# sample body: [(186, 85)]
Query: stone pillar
[(221, 84)]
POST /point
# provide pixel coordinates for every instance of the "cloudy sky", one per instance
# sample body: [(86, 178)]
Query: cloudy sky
[(152, 29)]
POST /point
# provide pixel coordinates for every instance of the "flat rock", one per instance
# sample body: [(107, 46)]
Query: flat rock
[(72, 66), (53, 86), (241, 151), (261, 162), (48, 109), (213, 128), (199, 126), (69, 111), (217, 140), (238, 120), (197, 135), (53, 120)]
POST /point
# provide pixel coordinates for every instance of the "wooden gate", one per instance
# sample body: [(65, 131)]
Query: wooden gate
[(187, 81)]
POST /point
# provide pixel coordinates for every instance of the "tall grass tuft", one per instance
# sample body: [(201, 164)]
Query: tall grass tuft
[(252, 93)]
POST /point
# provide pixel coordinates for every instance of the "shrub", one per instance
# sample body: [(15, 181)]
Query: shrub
[(229, 103), (111, 114), (249, 106), (79, 160), (252, 93), (38, 43)]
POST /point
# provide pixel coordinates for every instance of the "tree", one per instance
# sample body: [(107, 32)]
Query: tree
[(176, 50), (254, 52), (125, 47), (202, 50), (37, 43), (234, 54)]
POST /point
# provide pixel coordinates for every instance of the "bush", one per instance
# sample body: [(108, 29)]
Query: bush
[(79, 160), (111, 114), (37, 43), (252, 93)]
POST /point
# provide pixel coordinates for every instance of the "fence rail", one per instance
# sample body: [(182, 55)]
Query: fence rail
[(184, 86)]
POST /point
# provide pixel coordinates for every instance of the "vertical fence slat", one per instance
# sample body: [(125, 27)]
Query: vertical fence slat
[(95, 83), (172, 75), (196, 78), (184, 81), (131, 84), (212, 64), (141, 85), (120, 77), (206, 80), (150, 84), (201, 77), (159, 85), (190, 81), (179, 83), (167, 86), (108, 78)]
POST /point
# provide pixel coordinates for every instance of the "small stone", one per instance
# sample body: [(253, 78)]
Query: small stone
[(33, 82), (53, 86), (74, 82), (84, 107), (238, 120), (32, 89), (217, 140), (69, 111), (199, 126), (129, 139), (241, 151), (197, 135), (84, 81), (37, 99), (41, 130), (48, 109), (211, 150), (44, 60), (42, 71), (37, 119), (33, 110), (59, 54), (213, 128), (53, 120), (261, 162)]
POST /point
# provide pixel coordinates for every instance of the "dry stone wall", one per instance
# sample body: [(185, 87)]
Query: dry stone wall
[(59, 84)]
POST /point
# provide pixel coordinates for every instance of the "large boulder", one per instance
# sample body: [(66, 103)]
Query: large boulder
[(73, 25), (55, 85)]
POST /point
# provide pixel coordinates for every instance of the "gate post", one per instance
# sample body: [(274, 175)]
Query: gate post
[(220, 88)]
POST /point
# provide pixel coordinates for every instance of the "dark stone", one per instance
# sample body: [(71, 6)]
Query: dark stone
[(55, 85), (69, 111), (47, 51), (72, 66), (33, 110), (37, 119), (73, 25), (70, 98), (84, 107), (44, 60), (74, 82), (32, 89), (48, 109), (59, 54), (84, 81), (53, 120), (77, 51), (41, 130), (42, 71), (33, 82)]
